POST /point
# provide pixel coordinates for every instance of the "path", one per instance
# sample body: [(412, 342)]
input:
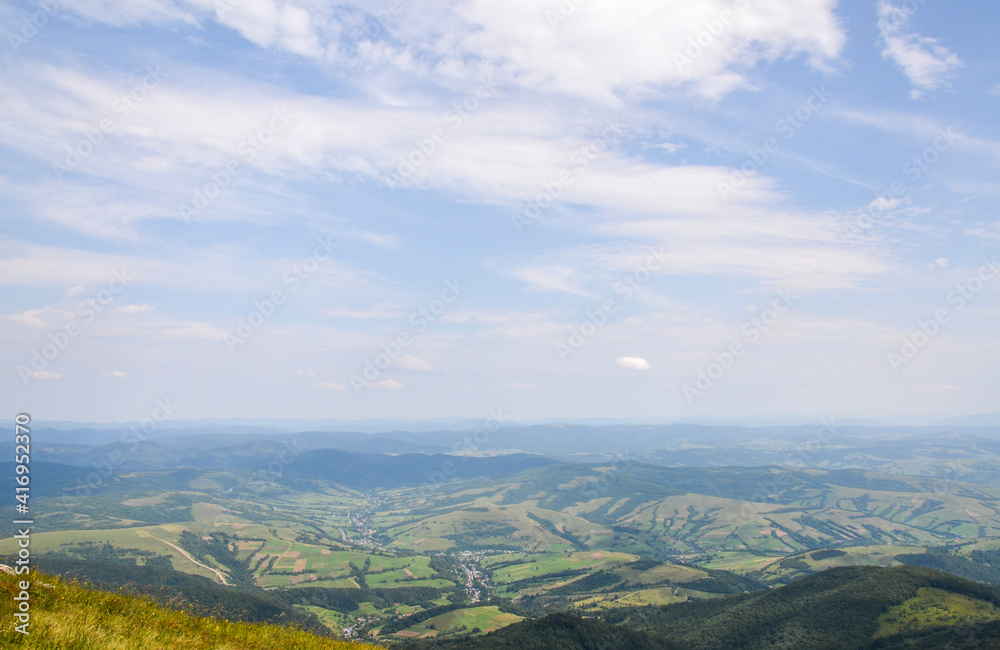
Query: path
[(222, 576)]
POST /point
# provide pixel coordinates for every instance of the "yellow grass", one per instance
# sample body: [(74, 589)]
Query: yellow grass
[(71, 616)]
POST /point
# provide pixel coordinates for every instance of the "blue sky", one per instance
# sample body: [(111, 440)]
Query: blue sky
[(301, 209)]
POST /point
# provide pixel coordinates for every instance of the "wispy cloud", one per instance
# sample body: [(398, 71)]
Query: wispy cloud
[(925, 62)]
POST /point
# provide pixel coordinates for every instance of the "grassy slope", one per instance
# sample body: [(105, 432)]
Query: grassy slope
[(70, 616), (932, 608), (554, 632), (839, 608), (486, 618)]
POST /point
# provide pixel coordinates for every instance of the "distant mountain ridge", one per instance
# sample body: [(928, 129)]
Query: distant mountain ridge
[(364, 472)]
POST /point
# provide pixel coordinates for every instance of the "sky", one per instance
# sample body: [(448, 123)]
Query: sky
[(586, 208)]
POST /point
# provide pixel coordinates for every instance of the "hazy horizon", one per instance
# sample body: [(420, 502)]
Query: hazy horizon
[(507, 419)]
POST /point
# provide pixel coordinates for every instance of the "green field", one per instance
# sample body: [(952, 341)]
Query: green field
[(474, 620), (933, 608)]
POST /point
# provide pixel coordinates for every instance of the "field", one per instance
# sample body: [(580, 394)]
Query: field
[(934, 608), (474, 620)]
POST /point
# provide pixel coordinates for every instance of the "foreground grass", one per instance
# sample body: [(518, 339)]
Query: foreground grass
[(70, 616)]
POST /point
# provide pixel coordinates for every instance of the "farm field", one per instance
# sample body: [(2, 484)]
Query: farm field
[(473, 620)]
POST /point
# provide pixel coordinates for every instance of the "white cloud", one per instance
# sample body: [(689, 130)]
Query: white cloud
[(328, 386), (123, 13), (378, 240), (304, 373), (266, 23), (41, 319), (632, 363), (783, 249), (570, 57), (499, 158), (135, 309), (390, 384), (553, 277), (925, 62), (414, 364), (115, 373), (192, 122), (272, 24), (884, 203), (224, 268), (527, 41), (75, 292), (45, 374), (987, 231)]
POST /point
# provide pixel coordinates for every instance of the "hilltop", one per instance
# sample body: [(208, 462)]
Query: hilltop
[(71, 615)]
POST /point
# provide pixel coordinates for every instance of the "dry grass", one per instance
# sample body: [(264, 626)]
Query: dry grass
[(71, 616)]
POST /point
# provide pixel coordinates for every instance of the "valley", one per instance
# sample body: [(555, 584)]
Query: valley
[(363, 545)]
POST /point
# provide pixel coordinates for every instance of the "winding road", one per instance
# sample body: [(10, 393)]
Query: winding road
[(222, 576)]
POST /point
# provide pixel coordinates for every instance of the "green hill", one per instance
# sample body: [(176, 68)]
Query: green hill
[(839, 608), (71, 616), (556, 632), (843, 608)]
